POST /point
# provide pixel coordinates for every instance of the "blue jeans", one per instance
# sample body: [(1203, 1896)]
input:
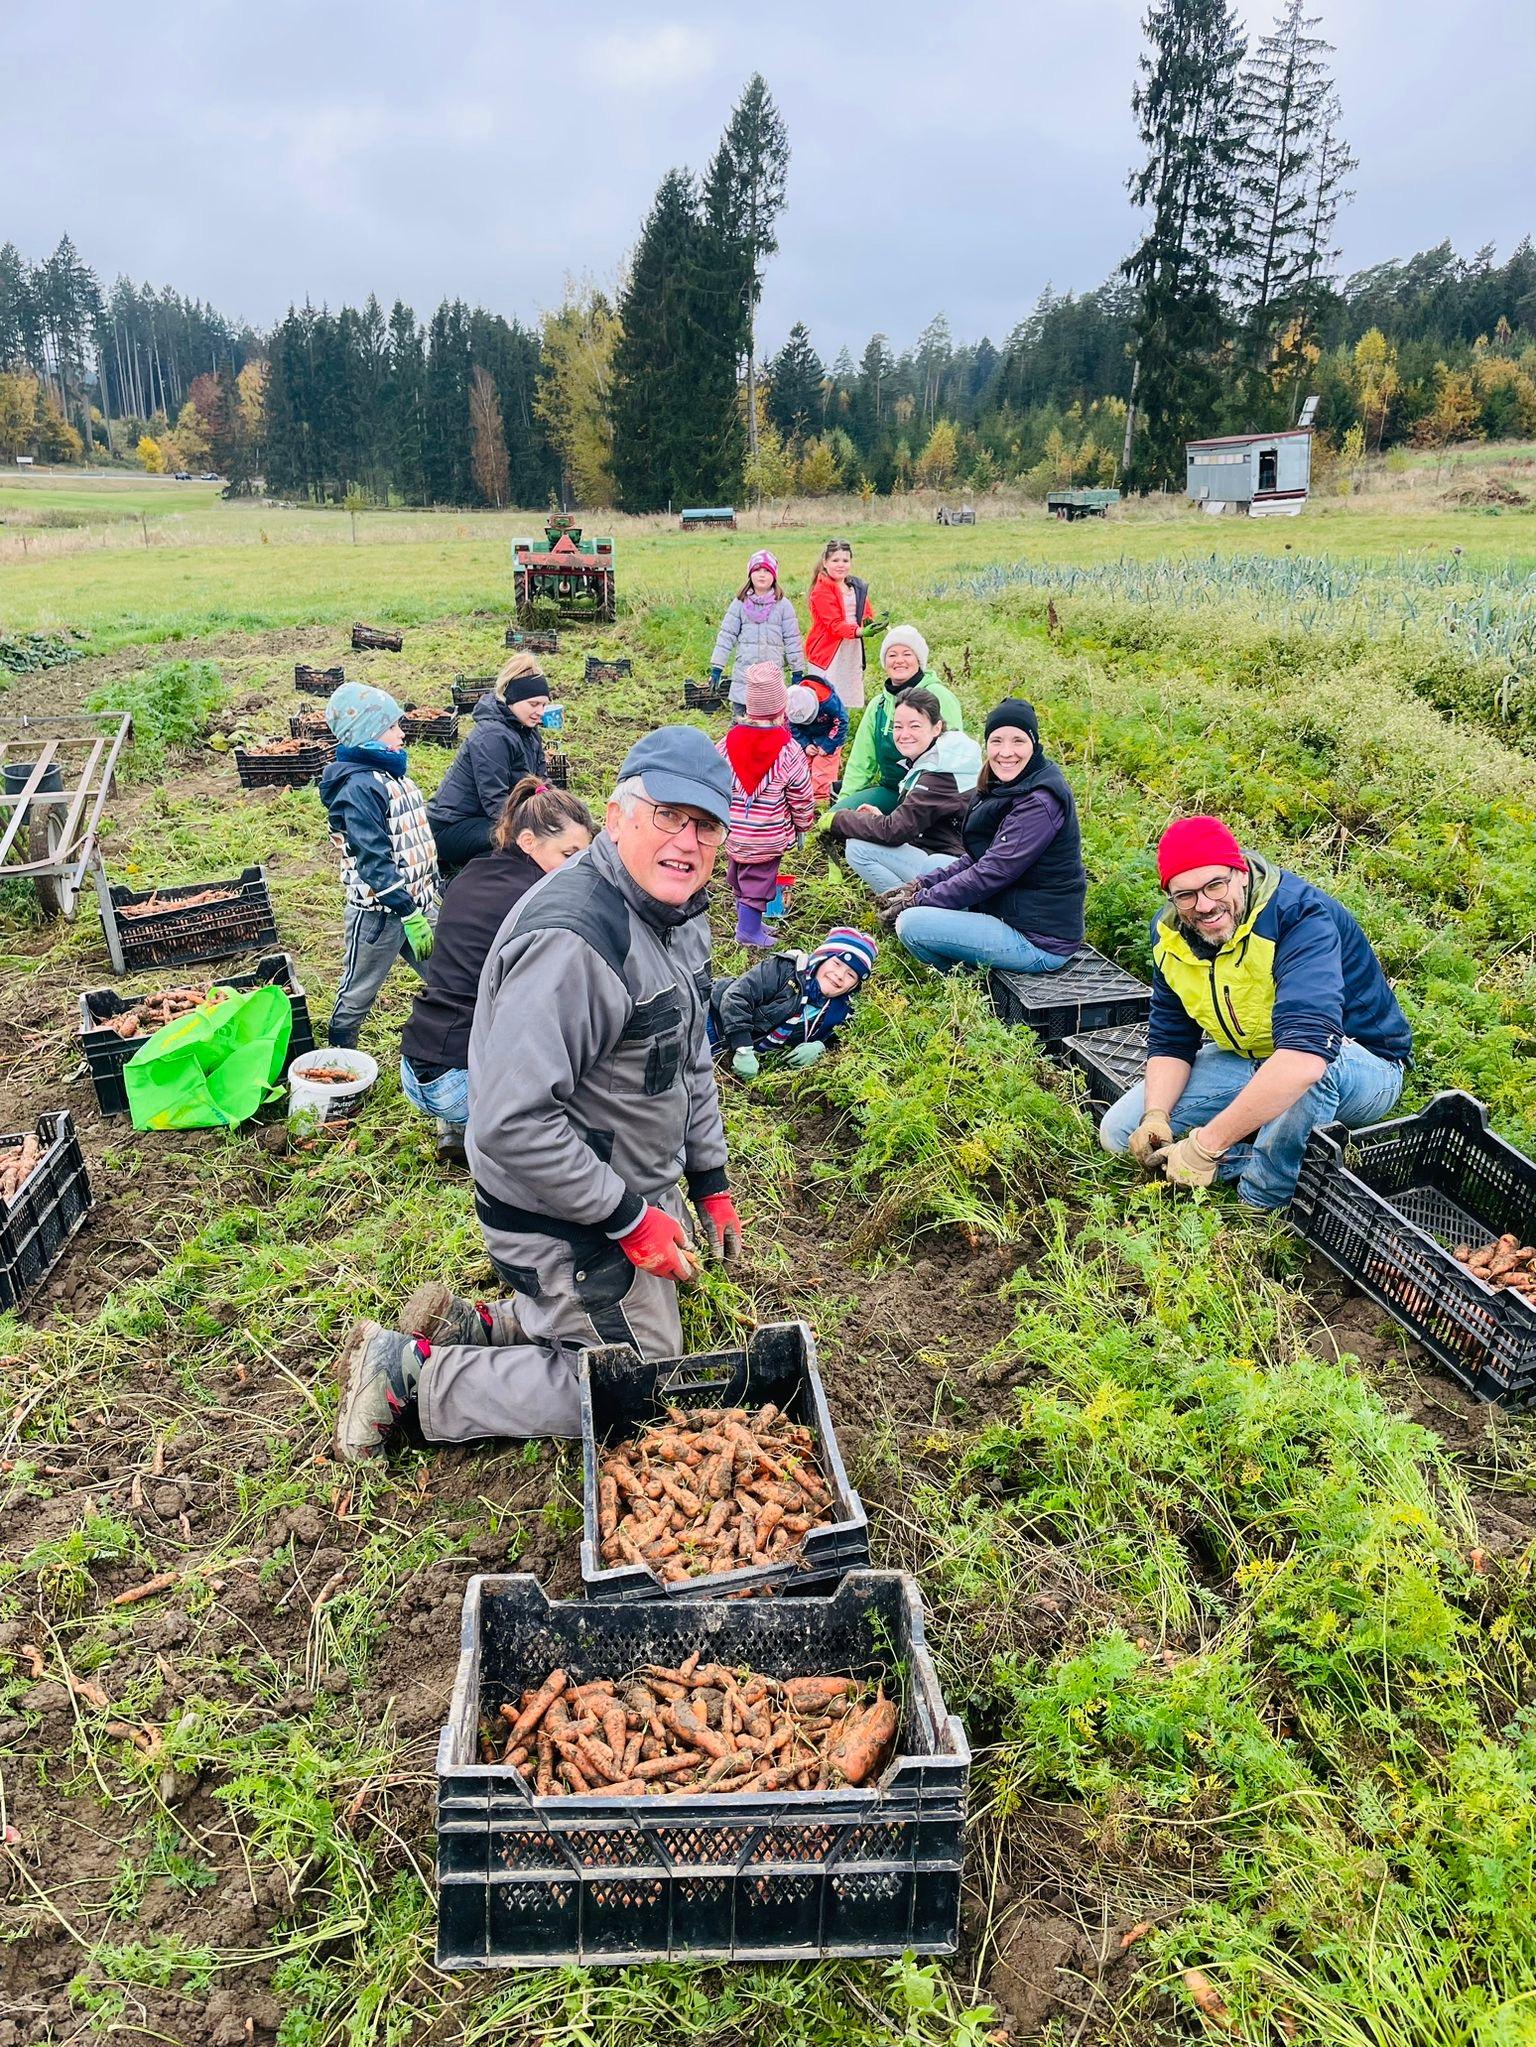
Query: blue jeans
[(446, 1098), (1358, 1088), (883, 867), (966, 938), (374, 940)]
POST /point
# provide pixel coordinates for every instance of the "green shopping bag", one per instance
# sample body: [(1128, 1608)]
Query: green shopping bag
[(216, 1065)]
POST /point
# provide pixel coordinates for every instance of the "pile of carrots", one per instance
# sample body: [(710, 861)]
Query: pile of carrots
[(715, 1489), (18, 1162), (1506, 1262), (694, 1728), (156, 1010), (152, 906)]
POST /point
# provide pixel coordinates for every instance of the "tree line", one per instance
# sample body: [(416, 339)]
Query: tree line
[(1227, 312)]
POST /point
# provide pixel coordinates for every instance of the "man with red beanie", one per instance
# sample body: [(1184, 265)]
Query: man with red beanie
[(1270, 1016)]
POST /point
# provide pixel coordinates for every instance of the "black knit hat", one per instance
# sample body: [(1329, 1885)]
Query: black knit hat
[(1014, 711)]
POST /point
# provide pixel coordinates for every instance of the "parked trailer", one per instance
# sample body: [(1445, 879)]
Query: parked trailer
[(1081, 504), (950, 515), (705, 518)]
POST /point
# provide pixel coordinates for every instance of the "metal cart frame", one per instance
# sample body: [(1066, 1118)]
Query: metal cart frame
[(80, 751)]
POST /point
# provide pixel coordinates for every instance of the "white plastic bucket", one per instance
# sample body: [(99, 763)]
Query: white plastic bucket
[(313, 1102)]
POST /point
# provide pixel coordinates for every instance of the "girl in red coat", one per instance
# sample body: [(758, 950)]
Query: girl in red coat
[(840, 613)]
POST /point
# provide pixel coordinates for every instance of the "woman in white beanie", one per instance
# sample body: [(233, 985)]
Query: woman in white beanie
[(875, 768)]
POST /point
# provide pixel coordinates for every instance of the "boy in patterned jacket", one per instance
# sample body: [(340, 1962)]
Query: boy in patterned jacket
[(771, 799), (389, 878)]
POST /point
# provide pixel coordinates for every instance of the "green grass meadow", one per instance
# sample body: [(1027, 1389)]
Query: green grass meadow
[(1232, 1588)]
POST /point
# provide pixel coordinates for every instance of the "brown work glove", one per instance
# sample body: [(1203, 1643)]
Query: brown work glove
[(894, 901), (1187, 1163), (1152, 1131)]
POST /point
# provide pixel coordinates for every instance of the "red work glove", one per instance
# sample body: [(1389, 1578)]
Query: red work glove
[(722, 1225), (658, 1243)]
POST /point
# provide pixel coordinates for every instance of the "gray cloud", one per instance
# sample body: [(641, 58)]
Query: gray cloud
[(953, 158)]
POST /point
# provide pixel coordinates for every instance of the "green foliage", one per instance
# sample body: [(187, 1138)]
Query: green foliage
[(170, 706), (26, 653)]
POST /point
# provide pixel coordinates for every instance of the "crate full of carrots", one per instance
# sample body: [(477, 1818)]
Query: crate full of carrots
[(713, 1475), (735, 1779)]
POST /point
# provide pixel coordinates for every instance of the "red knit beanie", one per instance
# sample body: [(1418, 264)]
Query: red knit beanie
[(1197, 842)]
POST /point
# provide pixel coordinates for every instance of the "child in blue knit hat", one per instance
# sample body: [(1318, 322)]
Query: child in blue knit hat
[(389, 878), (791, 1004)]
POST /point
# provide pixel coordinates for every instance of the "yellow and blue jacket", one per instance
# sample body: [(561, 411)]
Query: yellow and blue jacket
[(1297, 975)]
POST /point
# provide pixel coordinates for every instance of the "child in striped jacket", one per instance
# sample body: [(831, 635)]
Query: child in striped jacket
[(771, 799)]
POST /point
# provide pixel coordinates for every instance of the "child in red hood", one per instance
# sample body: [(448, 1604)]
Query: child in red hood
[(770, 802)]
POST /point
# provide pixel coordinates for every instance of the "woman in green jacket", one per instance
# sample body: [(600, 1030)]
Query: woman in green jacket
[(874, 768)]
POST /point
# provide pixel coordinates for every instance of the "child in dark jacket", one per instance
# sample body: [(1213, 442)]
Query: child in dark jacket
[(791, 1003), (389, 875), (819, 722)]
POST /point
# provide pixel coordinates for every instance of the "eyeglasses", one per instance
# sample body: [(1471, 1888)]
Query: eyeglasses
[(672, 823), (1184, 899)]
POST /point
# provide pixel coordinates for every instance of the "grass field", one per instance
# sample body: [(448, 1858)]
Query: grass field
[(1232, 1588)]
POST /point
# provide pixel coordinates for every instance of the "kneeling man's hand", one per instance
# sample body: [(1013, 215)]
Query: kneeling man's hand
[(658, 1244), (1188, 1163), (1153, 1133), (721, 1224)]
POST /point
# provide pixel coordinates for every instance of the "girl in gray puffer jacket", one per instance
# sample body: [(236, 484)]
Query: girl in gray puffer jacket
[(759, 625)]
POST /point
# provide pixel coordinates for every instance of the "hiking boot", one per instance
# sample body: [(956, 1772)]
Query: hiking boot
[(438, 1316), (379, 1371), (450, 1147), (750, 928)]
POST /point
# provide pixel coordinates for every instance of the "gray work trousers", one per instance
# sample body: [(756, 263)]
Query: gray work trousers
[(564, 1300)]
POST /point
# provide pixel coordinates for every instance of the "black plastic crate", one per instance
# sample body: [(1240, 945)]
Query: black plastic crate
[(317, 682), (1388, 1203), (430, 728), (106, 1054), (557, 768), (376, 639), (608, 671), (1111, 1060), (469, 689), (296, 768), (534, 639), (170, 936), (621, 1393), (703, 696), (1087, 994), (310, 725), (767, 1876), (49, 1207)]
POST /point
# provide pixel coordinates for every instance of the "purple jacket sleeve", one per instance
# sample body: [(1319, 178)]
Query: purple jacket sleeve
[(1029, 829)]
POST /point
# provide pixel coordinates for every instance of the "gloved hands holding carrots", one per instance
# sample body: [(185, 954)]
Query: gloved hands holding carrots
[(658, 1244)]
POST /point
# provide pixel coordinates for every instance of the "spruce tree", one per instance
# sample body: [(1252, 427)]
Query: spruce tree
[(665, 443), (405, 405), (1188, 109), (743, 197), (1291, 116), (795, 376)]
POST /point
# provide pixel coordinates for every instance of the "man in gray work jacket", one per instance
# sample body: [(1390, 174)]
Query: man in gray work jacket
[(591, 1096)]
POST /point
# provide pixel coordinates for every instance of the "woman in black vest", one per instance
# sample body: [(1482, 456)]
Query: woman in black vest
[(1015, 897), (539, 829)]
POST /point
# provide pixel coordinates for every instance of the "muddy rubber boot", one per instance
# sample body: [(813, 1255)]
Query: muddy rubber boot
[(437, 1314), (750, 928), (379, 1371)]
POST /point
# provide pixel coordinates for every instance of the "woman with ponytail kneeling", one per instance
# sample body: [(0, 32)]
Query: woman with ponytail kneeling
[(539, 829)]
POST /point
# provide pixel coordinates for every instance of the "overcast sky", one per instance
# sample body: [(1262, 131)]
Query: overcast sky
[(947, 154)]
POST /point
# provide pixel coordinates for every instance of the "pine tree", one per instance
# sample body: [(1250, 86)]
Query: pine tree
[(666, 446), (795, 379), (1188, 109), (743, 197), (447, 406), (1327, 192)]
